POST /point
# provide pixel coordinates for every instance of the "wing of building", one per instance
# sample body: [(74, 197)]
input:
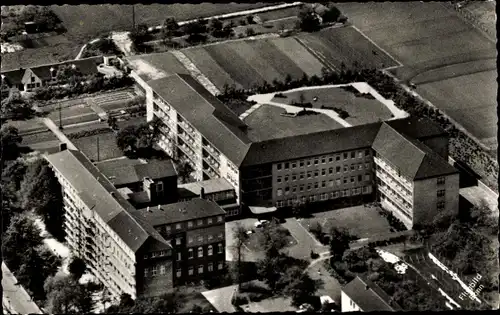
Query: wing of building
[(362, 295), (401, 162)]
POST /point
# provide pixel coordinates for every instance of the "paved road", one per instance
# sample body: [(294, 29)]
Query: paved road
[(15, 296), (305, 241)]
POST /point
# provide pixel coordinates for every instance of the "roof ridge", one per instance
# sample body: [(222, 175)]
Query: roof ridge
[(117, 192), (406, 138)]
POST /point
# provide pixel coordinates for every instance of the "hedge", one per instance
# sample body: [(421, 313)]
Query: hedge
[(88, 133)]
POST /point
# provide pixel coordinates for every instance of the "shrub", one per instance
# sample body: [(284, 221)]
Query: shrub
[(87, 133), (250, 31), (280, 95)]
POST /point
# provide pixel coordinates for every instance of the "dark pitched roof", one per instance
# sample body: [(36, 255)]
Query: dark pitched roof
[(156, 169), (98, 193), (219, 125), (417, 128), (311, 144), (369, 296), (12, 77), (411, 157), (181, 211), (128, 171), (86, 66)]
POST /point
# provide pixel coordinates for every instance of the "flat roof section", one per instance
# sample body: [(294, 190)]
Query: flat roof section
[(267, 123)]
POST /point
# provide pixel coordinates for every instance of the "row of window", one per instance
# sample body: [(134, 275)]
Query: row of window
[(396, 195), (381, 173), (200, 251), (161, 253), (322, 184), (325, 196), (162, 268), (441, 205), (200, 269), (323, 172), (190, 224), (199, 238), (323, 159), (440, 180)]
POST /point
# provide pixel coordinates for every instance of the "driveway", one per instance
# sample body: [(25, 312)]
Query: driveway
[(305, 241)]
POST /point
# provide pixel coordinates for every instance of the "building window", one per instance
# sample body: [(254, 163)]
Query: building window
[(367, 177), (366, 189), (330, 170), (209, 221), (190, 224), (220, 248), (278, 166), (316, 173), (309, 186), (367, 152), (360, 154), (346, 155), (440, 205), (200, 269), (441, 193), (190, 253), (220, 266), (153, 254), (210, 267), (190, 271), (294, 177), (159, 187), (346, 168), (302, 175), (309, 174), (294, 189), (360, 178), (210, 250), (301, 163), (345, 180), (308, 162), (301, 187), (199, 222), (287, 165), (294, 165), (353, 155), (162, 269), (178, 273), (200, 252), (219, 219), (323, 184), (210, 237), (323, 159), (330, 159), (353, 167), (367, 165), (190, 239), (279, 192), (440, 180), (167, 228), (316, 185), (178, 226), (286, 178), (316, 161), (154, 271), (200, 238), (178, 241), (323, 172), (278, 179), (330, 183), (179, 256), (146, 272), (146, 256)]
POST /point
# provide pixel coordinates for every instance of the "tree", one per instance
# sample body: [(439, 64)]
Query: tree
[(139, 35), (240, 237), (339, 242), (170, 27), (196, 30), (10, 139), (22, 234), (272, 239), (41, 192), (66, 295), (216, 26), (113, 123), (331, 15), (300, 286), (127, 140), (250, 31), (309, 21), (16, 108), (77, 267), (184, 170)]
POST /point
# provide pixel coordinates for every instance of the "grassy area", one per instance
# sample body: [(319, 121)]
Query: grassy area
[(38, 137), (422, 27), (362, 109), (350, 218), (253, 239), (107, 144)]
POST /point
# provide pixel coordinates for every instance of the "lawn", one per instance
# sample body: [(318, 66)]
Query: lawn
[(346, 45), (38, 138), (107, 144), (459, 97), (266, 123), (76, 110), (253, 239), (361, 221), (361, 109), (276, 304), (430, 36)]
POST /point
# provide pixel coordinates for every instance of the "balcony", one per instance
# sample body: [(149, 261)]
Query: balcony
[(210, 172), (161, 103), (211, 150), (390, 170), (188, 140), (395, 186), (187, 151), (212, 162), (397, 200)]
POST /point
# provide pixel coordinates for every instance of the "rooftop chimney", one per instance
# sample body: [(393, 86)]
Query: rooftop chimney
[(367, 287), (159, 208), (149, 210), (113, 194), (63, 146), (202, 193)]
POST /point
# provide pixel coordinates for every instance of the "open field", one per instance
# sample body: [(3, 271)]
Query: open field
[(476, 111), (107, 145), (431, 37), (39, 56), (361, 109), (346, 45), (266, 123), (350, 218)]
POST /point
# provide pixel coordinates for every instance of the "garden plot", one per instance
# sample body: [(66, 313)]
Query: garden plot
[(293, 50), (348, 46), (107, 146)]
